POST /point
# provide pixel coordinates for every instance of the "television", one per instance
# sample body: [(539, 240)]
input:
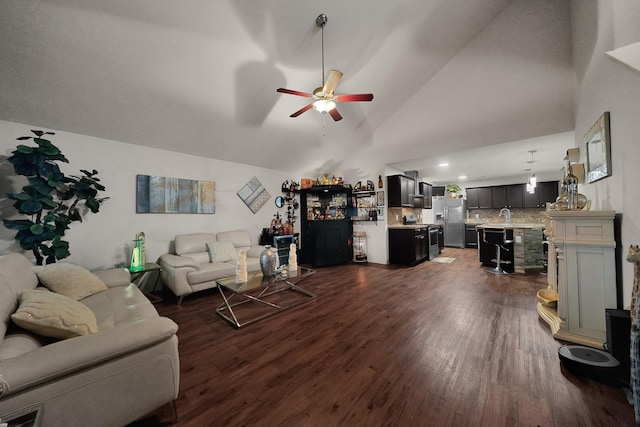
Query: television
[(438, 191)]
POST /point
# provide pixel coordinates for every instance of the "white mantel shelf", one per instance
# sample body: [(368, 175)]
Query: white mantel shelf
[(581, 270)]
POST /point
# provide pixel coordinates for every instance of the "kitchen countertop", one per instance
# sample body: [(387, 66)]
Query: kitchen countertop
[(516, 225), (407, 226)]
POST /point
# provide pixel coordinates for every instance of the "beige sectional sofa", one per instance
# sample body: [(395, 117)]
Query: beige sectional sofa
[(202, 258), (111, 376)]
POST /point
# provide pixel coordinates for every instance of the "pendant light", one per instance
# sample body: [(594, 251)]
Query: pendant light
[(531, 184)]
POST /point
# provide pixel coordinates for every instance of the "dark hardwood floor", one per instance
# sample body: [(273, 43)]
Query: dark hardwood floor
[(431, 345)]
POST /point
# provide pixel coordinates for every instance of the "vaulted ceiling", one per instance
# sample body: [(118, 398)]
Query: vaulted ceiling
[(200, 77)]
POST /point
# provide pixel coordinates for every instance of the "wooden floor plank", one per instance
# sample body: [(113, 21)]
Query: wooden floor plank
[(431, 345)]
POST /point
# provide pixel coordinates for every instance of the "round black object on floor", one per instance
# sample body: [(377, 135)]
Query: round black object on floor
[(589, 362)]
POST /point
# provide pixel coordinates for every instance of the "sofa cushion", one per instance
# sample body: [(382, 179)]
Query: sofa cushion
[(222, 251), (69, 280), (53, 315), (193, 243), (241, 239), (16, 275)]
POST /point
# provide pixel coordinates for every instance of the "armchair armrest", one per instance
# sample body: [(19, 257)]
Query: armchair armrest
[(175, 270), (113, 277), (177, 261), (65, 357)]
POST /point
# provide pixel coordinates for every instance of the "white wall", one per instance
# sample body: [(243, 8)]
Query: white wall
[(103, 239), (604, 84)]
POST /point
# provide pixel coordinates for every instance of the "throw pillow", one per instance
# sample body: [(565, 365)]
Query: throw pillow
[(69, 280), (52, 315), (222, 251)]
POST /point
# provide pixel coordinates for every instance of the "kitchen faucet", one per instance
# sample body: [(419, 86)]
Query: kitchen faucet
[(507, 215)]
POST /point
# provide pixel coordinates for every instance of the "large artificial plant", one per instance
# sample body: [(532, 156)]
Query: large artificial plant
[(51, 200)]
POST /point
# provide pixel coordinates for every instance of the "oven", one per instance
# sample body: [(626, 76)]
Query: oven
[(434, 247)]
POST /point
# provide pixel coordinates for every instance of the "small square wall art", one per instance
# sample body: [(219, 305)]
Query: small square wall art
[(254, 195)]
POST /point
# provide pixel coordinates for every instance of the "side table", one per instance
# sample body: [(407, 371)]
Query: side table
[(138, 278)]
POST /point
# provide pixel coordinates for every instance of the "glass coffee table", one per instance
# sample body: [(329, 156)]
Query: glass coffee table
[(260, 296)]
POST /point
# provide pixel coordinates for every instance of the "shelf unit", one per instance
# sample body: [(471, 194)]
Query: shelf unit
[(582, 270)]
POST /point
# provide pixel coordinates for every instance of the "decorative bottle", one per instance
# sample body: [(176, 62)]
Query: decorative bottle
[(268, 262), (571, 181)]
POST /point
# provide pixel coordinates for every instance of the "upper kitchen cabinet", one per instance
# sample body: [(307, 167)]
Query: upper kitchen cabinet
[(479, 198), (401, 191), (508, 196), (515, 196), (545, 192), (473, 198), (548, 192), (427, 191), (499, 196)]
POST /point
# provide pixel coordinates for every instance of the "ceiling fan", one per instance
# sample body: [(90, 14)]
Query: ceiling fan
[(324, 100)]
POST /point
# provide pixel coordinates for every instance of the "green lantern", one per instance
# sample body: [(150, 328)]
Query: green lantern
[(138, 253)]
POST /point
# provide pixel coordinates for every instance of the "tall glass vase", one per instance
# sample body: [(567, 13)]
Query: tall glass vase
[(268, 262)]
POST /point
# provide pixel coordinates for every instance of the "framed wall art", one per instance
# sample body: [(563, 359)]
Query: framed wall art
[(253, 194), (598, 145)]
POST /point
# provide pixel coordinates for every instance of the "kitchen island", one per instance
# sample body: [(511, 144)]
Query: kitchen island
[(523, 251)]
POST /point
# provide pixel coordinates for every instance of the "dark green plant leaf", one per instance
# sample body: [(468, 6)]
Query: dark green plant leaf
[(36, 229), (17, 224), (24, 149), (23, 138), (30, 207), (37, 132)]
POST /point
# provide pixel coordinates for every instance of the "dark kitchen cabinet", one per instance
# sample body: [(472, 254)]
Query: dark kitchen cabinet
[(515, 196), (479, 198), (473, 198), (499, 196), (485, 197), (427, 191), (408, 246), (545, 192), (401, 191), (548, 192)]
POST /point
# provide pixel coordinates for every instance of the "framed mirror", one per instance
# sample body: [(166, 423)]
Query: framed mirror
[(279, 201), (598, 143)]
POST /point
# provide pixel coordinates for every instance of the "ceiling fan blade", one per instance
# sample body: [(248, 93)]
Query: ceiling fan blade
[(302, 110), (354, 97), (294, 92), (332, 82), (336, 116)]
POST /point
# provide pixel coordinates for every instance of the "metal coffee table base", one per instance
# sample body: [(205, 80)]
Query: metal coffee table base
[(226, 309)]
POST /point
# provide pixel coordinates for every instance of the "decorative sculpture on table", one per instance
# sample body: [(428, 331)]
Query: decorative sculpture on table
[(634, 257), (293, 258), (241, 267)]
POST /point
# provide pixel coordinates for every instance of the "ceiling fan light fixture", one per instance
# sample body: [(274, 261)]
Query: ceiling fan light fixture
[(324, 105), (323, 98)]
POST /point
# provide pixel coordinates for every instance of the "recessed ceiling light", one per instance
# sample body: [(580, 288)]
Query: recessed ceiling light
[(443, 164), (462, 177)]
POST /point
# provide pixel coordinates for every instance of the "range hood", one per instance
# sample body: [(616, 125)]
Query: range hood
[(416, 183)]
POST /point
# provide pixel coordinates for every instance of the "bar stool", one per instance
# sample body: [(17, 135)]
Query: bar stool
[(498, 238)]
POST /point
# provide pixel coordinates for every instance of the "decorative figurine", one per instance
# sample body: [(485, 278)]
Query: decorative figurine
[(241, 267)]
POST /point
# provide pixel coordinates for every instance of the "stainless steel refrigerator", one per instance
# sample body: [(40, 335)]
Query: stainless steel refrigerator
[(455, 216)]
